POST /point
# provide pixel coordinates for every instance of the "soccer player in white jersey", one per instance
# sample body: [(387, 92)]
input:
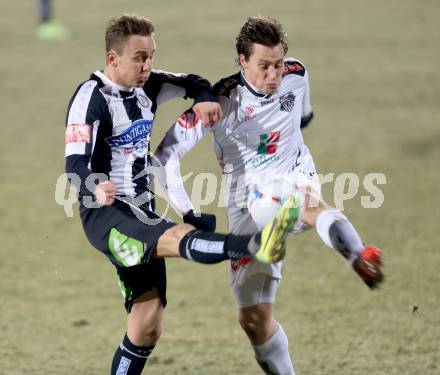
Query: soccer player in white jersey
[(265, 105)]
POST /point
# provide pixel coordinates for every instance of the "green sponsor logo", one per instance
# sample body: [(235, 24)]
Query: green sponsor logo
[(258, 160), (268, 143), (126, 291), (126, 250)]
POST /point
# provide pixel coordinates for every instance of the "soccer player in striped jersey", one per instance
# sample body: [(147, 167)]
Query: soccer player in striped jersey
[(265, 105), (108, 127)]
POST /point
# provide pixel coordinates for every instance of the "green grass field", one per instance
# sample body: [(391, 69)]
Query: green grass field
[(374, 71)]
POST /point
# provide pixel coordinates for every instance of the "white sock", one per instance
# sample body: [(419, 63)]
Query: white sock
[(273, 356), (338, 233)]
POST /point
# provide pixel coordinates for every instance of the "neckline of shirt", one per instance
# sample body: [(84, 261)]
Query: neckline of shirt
[(251, 87), (108, 82)]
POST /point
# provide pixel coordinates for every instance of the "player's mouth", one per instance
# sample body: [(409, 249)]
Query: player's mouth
[(271, 87)]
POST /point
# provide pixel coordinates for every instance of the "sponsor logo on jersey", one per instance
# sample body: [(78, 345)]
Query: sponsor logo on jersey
[(249, 109), (78, 133), (188, 120), (258, 160), (266, 151), (287, 102), (138, 130), (235, 263), (266, 102), (269, 143), (138, 149), (294, 67), (249, 113)]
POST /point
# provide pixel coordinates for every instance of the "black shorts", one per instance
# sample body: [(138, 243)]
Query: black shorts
[(128, 236)]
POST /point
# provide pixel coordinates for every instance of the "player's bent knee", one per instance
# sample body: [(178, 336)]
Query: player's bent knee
[(145, 320), (251, 329), (178, 231), (257, 331), (152, 334), (257, 322), (168, 244), (181, 230)]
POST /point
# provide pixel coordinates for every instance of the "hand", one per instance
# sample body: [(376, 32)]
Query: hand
[(208, 112), (205, 222), (105, 193)]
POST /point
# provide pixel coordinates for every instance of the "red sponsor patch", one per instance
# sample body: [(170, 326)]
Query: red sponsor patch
[(188, 120), (293, 68), (235, 263), (78, 133)]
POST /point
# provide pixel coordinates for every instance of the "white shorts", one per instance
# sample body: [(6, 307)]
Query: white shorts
[(259, 288), (240, 222)]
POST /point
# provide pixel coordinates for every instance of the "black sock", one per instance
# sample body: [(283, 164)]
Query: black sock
[(130, 359), (45, 10), (345, 239), (209, 248)]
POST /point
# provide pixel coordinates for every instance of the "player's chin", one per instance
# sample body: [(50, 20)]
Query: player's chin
[(141, 82), (270, 89)]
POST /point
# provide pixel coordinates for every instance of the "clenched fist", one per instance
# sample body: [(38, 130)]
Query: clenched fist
[(105, 193)]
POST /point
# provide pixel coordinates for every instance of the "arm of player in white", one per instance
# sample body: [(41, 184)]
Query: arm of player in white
[(185, 133), (307, 111)]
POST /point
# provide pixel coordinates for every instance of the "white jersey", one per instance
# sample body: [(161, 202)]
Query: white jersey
[(258, 137)]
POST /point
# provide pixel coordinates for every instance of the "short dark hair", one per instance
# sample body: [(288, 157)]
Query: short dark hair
[(120, 28), (262, 30)]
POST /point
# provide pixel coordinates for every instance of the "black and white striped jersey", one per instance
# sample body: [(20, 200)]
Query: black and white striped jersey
[(108, 128)]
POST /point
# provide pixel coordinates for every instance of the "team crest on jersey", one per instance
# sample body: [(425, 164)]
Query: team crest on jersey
[(143, 101), (287, 102), (138, 130), (188, 120)]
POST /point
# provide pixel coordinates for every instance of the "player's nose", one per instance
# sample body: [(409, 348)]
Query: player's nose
[(272, 73), (147, 65)]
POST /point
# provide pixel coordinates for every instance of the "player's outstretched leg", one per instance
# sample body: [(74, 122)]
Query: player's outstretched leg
[(337, 232), (199, 246), (210, 248), (273, 236)]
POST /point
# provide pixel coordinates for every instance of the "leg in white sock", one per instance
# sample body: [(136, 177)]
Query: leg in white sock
[(255, 298), (337, 232), (273, 356)]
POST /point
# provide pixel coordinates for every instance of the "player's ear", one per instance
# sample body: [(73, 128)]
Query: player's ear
[(242, 60), (112, 58)]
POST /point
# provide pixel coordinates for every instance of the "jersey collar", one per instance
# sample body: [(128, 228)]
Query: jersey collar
[(123, 91), (250, 87)]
